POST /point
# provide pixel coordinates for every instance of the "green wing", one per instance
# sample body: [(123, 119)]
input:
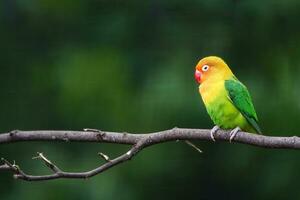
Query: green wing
[(240, 97)]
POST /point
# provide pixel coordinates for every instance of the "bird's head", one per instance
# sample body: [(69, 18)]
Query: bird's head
[(211, 68)]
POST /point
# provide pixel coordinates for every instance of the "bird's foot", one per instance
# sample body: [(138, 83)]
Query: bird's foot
[(233, 133), (213, 131)]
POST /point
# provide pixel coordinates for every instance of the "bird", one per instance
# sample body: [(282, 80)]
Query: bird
[(227, 100)]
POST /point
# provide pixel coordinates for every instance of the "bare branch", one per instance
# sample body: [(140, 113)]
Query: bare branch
[(138, 142)]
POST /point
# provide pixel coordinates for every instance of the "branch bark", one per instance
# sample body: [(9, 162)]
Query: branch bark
[(137, 141)]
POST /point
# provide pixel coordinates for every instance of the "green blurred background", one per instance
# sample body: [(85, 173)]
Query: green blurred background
[(128, 66)]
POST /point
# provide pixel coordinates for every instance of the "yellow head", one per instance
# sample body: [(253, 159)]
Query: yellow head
[(212, 68)]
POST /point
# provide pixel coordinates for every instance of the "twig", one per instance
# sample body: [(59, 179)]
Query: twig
[(104, 156), (193, 146), (48, 163)]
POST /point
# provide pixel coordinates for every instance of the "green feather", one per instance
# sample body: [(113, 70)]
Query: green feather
[(240, 98)]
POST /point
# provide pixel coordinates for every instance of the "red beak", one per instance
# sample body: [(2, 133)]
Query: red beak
[(198, 76)]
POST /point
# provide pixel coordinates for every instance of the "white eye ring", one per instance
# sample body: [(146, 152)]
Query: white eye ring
[(205, 68)]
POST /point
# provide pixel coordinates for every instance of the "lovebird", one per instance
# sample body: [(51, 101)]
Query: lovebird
[(226, 99)]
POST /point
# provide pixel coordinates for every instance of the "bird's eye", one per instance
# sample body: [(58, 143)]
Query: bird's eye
[(205, 68)]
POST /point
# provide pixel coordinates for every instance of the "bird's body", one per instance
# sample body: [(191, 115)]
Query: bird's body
[(226, 99), (221, 109)]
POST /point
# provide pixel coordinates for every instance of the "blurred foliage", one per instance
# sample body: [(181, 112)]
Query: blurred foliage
[(128, 66)]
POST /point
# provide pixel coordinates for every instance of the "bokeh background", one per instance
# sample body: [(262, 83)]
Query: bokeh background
[(128, 66)]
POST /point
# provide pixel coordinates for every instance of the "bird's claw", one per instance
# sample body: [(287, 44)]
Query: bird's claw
[(213, 131), (233, 133)]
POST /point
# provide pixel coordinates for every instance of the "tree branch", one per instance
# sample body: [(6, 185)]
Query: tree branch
[(138, 142)]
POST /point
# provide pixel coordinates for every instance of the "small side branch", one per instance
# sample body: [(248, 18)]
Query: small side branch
[(58, 173), (137, 141)]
